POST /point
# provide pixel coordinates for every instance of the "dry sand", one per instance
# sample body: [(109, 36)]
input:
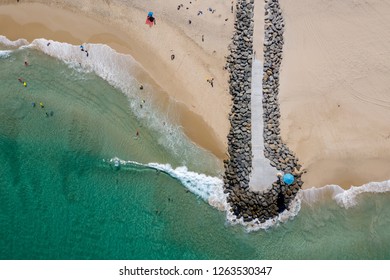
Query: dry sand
[(335, 89), (201, 109)]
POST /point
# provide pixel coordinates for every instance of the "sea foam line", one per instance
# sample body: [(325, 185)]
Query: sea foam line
[(344, 198), (5, 53), (210, 189), (117, 70), (15, 44)]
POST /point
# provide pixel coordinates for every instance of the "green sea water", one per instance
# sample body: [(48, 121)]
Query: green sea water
[(60, 198)]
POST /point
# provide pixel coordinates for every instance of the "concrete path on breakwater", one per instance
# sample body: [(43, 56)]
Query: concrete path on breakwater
[(263, 174)]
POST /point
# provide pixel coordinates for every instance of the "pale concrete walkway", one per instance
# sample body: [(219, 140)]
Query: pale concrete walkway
[(263, 174)]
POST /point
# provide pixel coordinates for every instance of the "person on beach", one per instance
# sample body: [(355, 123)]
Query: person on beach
[(41, 104), (25, 63), (20, 80), (211, 81), (81, 48), (172, 56), (202, 38), (137, 134)]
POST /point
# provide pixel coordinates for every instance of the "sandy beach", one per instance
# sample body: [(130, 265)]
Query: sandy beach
[(202, 110), (334, 93)]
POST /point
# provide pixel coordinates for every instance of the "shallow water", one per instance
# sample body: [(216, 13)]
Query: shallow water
[(61, 198)]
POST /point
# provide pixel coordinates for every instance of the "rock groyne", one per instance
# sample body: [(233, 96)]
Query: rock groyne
[(245, 203)]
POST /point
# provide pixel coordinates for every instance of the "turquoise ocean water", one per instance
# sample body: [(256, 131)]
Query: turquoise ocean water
[(62, 197)]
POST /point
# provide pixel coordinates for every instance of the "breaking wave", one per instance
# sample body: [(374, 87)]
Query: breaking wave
[(13, 44), (344, 198), (118, 69), (5, 53), (210, 189)]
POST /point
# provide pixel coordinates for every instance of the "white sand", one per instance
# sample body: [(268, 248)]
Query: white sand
[(335, 89)]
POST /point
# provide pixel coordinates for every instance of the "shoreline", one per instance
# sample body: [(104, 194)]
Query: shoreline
[(206, 129)]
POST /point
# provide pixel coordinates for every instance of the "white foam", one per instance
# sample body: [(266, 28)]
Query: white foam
[(117, 70), (255, 225), (8, 43), (344, 198), (5, 53), (210, 189)]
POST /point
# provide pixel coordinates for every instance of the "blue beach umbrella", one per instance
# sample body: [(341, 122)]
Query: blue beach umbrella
[(150, 14), (288, 178)]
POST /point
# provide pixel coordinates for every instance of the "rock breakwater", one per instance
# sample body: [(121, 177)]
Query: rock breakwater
[(245, 203)]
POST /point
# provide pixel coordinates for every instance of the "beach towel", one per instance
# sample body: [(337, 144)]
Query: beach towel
[(150, 23)]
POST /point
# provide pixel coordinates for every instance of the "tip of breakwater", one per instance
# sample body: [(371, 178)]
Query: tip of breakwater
[(246, 204)]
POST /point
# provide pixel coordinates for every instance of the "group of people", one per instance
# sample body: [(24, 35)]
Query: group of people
[(211, 81), (51, 113), (84, 50)]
